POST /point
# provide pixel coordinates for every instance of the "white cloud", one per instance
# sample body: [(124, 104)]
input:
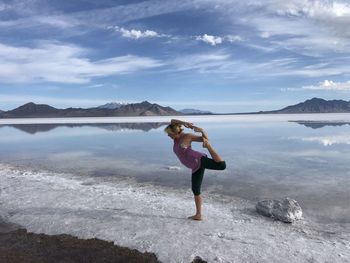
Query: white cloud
[(100, 85), (329, 85), (265, 34), (225, 63), (261, 47), (212, 40), (233, 38), (215, 62), (136, 34), (290, 89), (96, 86), (209, 39), (222, 62), (134, 11), (63, 63), (336, 67), (312, 28), (315, 9), (55, 21), (341, 9)]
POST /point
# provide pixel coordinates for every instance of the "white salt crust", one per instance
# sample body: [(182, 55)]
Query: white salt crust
[(153, 218)]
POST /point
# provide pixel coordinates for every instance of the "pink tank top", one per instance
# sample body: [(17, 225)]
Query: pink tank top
[(188, 157)]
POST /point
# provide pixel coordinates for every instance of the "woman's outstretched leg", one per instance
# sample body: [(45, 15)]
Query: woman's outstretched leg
[(211, 150)]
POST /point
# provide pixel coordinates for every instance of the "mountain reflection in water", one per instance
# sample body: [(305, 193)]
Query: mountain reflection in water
[(36, 128), (318, 125)]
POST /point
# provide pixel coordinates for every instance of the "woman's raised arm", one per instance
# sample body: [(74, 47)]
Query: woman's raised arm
[(186, 124)]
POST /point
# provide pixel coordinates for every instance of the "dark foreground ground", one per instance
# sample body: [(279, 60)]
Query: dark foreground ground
[(19, 246)]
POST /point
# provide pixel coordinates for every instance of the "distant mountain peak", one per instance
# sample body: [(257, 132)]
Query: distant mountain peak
[(29, 105), (32, 105), (112, 105), (31, 109), (314, 99), (317, 105), (145, 102)]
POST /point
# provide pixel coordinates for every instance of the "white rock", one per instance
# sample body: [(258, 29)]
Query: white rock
[(286, 210), (265, 207)]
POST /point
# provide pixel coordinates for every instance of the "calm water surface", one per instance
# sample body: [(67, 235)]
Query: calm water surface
[(306, 161)]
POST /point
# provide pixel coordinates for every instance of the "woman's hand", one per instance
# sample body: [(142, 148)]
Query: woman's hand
[(188, 125), (204, 134), (197, 129)]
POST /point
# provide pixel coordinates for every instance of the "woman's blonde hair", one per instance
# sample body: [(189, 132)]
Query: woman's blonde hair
[(173, 129)]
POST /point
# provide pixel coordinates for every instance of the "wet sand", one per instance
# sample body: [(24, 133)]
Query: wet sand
[(19, 246)]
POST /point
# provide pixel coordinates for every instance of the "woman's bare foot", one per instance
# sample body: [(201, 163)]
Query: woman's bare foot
[(205, 143), (195, 217)]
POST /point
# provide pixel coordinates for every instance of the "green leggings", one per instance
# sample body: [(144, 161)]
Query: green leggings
[(197, 177)]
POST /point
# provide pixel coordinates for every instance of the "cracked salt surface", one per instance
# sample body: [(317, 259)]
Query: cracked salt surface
[(150, 218)]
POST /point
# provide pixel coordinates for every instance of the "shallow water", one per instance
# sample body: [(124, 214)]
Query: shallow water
[(266, 157)]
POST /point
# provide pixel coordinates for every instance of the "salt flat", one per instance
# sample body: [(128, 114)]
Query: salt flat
[(153, 218), (336, 117)]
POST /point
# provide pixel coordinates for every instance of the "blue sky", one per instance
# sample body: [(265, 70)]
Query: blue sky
[(217, 55)]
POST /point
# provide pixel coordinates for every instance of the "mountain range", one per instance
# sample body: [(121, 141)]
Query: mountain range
[(145, 108), (194, 112), (316, 105), (32, 110)]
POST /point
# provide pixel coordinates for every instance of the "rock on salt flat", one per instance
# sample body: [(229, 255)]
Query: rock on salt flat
[(287, 210), (153, 218)]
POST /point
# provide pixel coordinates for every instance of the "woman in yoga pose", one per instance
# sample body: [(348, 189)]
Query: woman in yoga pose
[(194, 160)]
